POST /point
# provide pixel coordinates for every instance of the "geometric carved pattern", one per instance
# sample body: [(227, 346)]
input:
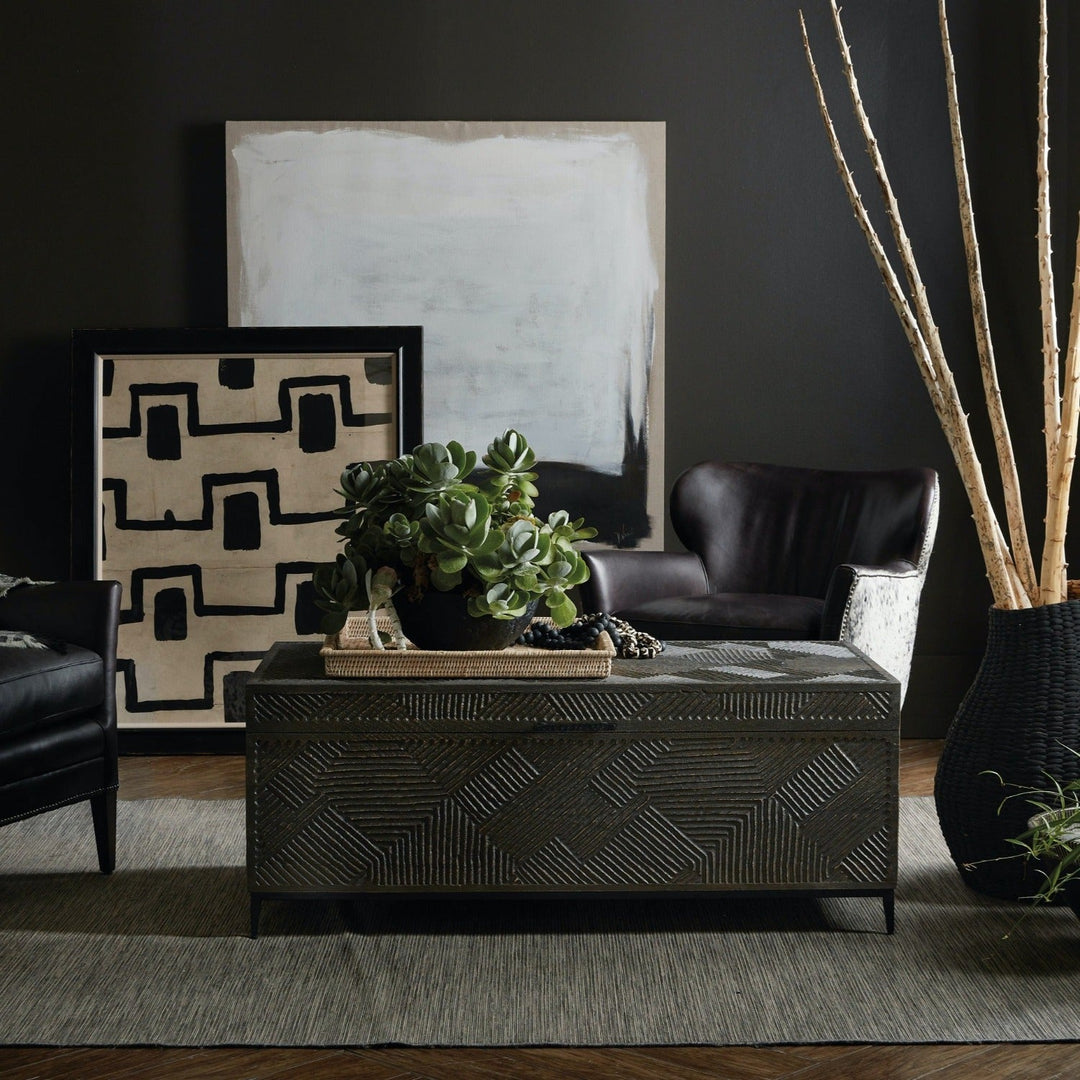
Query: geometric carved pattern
[(807, 662), (818, 782), (673, 777), (387, 711), (543, 811), (869, 860)]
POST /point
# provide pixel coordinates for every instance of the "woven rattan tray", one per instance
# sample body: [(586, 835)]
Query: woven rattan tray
[(348, 655)]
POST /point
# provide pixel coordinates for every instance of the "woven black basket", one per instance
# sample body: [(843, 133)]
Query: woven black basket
[(1019, 719)]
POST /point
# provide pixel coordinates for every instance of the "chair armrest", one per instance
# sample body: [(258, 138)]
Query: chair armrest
[(85, 613), (623, 579), (876, 609)]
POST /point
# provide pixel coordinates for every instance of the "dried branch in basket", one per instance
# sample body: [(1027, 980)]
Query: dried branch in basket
[(1010, 481), (1051, 390), (1060, 480), (922, 336)]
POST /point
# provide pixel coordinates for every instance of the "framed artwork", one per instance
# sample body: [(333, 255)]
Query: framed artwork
[(533, 255), (204, 469)]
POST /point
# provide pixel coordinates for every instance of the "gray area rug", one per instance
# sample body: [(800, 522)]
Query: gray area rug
[(158, 954)]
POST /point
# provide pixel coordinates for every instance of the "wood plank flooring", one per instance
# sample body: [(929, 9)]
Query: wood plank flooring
[(223, 777)]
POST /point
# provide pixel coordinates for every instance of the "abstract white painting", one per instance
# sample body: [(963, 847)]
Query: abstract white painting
[(531, 253)]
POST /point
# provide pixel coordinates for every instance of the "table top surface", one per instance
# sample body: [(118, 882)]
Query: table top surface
[(720, 665)]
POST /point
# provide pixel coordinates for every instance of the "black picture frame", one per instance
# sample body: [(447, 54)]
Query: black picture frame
[(234, 423)]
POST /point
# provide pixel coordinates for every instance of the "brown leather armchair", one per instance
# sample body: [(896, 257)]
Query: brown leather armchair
[(58, 705), (781, 552)]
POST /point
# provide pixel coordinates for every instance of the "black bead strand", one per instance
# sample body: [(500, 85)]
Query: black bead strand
[(585, 629)]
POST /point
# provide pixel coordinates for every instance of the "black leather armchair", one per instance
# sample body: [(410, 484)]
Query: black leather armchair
[(58, 705), (780, 552)]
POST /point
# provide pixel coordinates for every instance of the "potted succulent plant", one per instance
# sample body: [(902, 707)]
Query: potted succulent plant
[(430, 532)]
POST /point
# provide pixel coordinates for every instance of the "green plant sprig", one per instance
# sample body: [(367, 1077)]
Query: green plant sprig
[(1053, 837)]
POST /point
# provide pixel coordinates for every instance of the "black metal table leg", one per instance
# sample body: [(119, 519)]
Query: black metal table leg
[(889, 900), (256, 903)]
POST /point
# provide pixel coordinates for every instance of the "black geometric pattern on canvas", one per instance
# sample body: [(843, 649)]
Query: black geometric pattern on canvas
[(163, 433), (256, 417), (203, 696), (378, 371), (234, 686), (170, 615), (284, 422), (135, 611), (318, 426), (237, 372), (267, 479), (214, 670), (240, 529), (306, 616)]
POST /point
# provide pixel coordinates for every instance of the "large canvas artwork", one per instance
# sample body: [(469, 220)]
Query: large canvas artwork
[(204, 468), (531, 253)]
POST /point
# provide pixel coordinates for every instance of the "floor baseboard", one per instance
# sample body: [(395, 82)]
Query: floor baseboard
[(140, 741)]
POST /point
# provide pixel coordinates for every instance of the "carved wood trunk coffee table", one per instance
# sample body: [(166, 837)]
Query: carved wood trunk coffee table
[(724, 767)]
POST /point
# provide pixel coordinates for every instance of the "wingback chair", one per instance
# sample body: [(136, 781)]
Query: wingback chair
[(58, 705), (779, 552)]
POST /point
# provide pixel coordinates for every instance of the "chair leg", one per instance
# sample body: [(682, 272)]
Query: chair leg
[(103, 807)]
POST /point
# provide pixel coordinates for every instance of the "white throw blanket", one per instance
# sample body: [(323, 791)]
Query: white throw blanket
[(18, 639)]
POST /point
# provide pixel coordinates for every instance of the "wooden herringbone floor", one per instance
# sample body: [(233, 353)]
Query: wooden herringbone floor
[(223, 777)]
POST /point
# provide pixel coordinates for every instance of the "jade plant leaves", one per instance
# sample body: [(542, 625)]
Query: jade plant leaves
[(426, 515)]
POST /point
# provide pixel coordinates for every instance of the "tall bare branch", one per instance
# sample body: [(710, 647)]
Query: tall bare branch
[(1060, 481), (1051, 389), (919, 300), (1010, 480), (932, 365), (892, 284)]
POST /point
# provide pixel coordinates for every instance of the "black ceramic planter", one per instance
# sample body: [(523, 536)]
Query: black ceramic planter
[(1019, 718), (441, 620)]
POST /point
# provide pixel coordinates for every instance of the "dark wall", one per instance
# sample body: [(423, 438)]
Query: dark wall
[(781, 344)]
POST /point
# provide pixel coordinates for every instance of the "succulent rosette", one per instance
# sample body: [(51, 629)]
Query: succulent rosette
[(441, 522)]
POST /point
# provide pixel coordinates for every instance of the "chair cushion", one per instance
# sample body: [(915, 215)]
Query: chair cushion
[(39, 686), (730, 617), (52, 756)]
